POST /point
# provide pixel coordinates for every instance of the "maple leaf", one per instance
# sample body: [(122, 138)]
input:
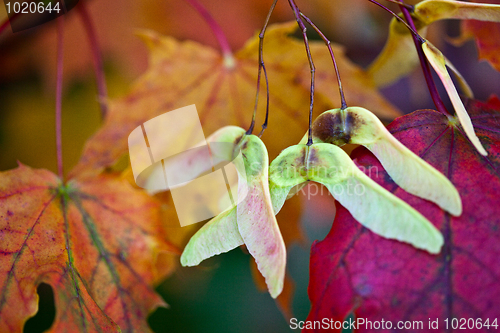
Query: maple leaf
[(487, 36), (353, 270), (223, 90), (97, 242)]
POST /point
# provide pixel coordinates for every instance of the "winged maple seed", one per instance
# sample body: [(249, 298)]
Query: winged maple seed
[(359, 126), (397, 59), (370, 204), (251, 221), (438, 62), (487, 37), (96, 241)]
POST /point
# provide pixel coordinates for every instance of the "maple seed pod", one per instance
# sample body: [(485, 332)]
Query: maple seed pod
[(251, 222), (438, 62), (395, 61), (369, 203), (359, 126)]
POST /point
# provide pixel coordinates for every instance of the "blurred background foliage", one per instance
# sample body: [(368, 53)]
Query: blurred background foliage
[(219, 296)]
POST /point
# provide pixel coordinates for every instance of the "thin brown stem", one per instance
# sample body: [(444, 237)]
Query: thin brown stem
[(407, 6), (60, 62), (262, 67), (97, 62), (303, 28), (329, 46), (396, 16), (264, 125)]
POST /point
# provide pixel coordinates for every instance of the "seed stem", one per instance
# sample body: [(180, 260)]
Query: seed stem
[(303, 28), (329, 46), (262, 67)]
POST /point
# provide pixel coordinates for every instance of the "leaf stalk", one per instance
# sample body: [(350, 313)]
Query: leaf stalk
[(60, 62), (96, 57), (216, 29)]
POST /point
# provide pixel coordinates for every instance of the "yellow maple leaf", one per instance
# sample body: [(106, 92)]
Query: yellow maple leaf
[(184, 73)]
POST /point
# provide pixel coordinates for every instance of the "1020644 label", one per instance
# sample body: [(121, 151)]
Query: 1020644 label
[(470, 323), (31, 13), (31, 7)]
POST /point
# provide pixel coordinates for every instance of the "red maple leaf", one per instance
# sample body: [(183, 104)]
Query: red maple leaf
[(356, 271)]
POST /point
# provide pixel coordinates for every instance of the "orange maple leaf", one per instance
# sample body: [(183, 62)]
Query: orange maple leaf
[(95, 241)]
